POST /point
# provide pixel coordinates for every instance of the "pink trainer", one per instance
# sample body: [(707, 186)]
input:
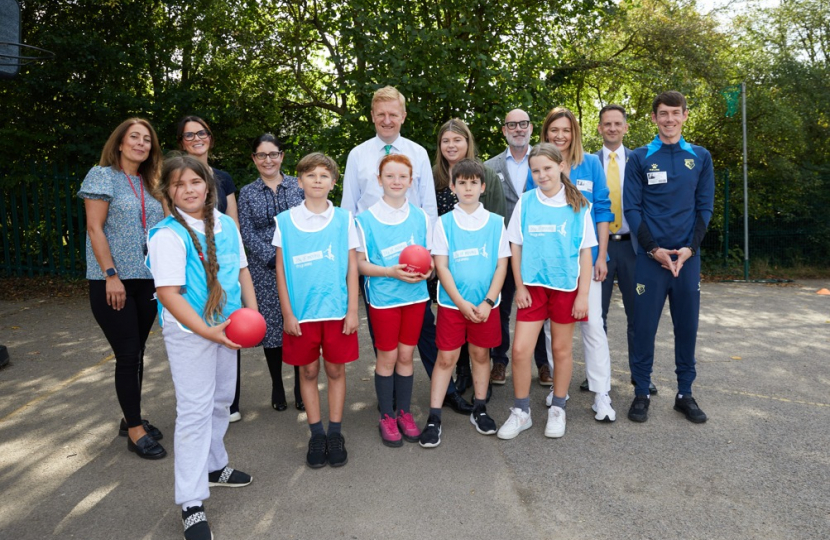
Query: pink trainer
[(408, 427), (389, 433)]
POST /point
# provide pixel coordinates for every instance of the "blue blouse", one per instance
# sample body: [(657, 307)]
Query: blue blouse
[(123, 228)]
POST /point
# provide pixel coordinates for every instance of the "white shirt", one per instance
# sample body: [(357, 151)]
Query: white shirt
[(360, 180), (517, 170), (606, 159), (469, 222), (392, 216), (514, 228), (308, 221), (169, 253)]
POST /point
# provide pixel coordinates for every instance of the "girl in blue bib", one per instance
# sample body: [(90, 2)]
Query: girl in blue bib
[(397, 298), (551, 236), (201, 277)]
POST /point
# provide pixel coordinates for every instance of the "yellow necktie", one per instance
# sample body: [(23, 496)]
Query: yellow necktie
[(613, 178)]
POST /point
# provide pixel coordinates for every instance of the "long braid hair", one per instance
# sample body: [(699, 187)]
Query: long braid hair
[(174, 165), (544, 149)]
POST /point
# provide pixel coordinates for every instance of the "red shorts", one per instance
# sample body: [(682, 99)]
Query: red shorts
[(454, 330), (338, 348), (549, 304), (397, 325)]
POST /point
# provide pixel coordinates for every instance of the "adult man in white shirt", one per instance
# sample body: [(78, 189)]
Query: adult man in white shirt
[(514, 171), (360, 180), (361, 190), (622, 255)]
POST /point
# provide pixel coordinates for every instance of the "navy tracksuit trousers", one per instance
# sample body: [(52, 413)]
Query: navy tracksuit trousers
[(653, 284)]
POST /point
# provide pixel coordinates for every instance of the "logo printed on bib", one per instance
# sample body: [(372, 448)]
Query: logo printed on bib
[(539, 230), (464, 254), (307, 258), (397, 248), (641, 288)]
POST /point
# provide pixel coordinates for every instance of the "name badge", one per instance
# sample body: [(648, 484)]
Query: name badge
[(657, 178), (501, 177), (585, 185)]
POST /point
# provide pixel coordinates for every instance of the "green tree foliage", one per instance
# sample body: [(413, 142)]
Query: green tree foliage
[(306, 70)]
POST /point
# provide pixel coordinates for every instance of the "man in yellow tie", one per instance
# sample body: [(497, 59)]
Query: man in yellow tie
[(622, 254)]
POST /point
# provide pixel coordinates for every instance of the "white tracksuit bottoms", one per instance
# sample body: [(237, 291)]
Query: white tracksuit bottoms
[(204, 377)]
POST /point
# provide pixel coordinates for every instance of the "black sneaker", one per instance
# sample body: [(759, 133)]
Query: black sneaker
[(227, 477), (482, 421), (688, 406), (639, 409), (316, 456), (585, 386), (336, 449), (151, 430), (431, 435), (195, 524)]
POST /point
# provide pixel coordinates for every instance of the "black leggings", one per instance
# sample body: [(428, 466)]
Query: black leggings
[(273, 356), (126, 331)]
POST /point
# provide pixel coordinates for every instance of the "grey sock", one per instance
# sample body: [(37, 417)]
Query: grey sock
[(481, 403), (384, 386), (435, 412), (334, 427), (316, 428), (523, 404), (558, 401), (403, 391)]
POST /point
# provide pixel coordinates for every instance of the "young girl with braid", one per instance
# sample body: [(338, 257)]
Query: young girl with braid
[(201, 277), (551, 235)]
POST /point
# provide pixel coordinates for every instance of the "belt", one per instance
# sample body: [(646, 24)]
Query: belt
[(619, 237)]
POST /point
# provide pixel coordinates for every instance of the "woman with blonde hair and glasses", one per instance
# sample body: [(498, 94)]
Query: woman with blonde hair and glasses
[(587, 174), (456, 142)]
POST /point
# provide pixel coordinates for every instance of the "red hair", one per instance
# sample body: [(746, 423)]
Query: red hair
[(394, 158)]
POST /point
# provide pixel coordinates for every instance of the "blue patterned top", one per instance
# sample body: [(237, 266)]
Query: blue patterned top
[(123, 229), (258, 206)]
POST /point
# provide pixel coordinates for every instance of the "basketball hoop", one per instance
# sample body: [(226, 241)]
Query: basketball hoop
[(14, 54)]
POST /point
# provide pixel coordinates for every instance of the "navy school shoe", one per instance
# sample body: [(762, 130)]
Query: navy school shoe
[(228, 477), (195, 524), (687, 405)]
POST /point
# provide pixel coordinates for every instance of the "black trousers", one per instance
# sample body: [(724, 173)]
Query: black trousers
[(126, 331)]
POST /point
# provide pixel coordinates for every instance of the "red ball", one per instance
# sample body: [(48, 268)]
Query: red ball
[(416, 258), (247, 327)]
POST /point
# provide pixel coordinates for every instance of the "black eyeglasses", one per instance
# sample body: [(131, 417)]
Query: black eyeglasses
[(189, 135), (260, 156), (513, 125)]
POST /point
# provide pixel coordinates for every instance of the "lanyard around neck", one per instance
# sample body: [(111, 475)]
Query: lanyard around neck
[(141, 187)]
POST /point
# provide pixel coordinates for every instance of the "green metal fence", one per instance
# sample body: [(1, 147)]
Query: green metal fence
[(42, 227), (42, 222)]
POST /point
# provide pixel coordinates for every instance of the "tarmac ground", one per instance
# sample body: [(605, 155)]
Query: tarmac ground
[(759, 468)]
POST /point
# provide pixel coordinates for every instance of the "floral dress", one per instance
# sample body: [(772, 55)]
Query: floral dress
[(258, 206)]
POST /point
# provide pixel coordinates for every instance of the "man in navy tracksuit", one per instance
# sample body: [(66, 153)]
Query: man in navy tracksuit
[(668, 200)]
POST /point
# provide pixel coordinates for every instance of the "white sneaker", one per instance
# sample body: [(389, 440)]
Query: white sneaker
[(602, 406), (555, 427), (549, 399), (235, 417), (518, 422)]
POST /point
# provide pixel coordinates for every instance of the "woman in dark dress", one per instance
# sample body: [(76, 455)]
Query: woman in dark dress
[(259, 203)]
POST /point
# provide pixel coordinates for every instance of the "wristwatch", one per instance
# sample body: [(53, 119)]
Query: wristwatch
[(690, 248), (492, 304), (111, 272), (652, 252)]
